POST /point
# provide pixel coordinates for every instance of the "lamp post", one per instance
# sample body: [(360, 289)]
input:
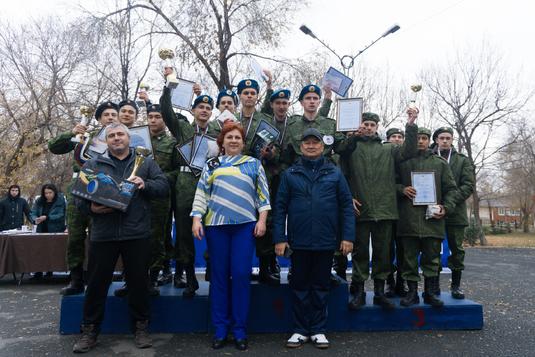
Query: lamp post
[(348, 61)]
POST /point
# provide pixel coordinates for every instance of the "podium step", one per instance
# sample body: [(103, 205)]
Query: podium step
[(271, 312)]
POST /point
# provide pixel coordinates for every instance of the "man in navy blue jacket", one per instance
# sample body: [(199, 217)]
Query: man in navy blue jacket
[(315, 198)]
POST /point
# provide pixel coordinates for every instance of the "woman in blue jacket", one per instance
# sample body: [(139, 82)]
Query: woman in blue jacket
[(48, 213), (231, 206)]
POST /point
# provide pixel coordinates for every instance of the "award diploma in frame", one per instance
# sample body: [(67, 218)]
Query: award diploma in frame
[(348, 114), (182, 94), (424, 184)]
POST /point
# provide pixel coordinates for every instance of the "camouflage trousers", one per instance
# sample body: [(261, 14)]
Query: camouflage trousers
[(78, 225), (160, 231), (380, 233), (455, 243), (429, 248)]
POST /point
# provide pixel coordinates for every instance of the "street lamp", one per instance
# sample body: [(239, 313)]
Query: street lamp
[(348, 61)]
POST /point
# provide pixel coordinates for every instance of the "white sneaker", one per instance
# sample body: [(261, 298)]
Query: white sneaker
[(297, 340), (320, 341)]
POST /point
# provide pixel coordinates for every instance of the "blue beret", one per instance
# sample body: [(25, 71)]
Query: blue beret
[(280, 94), (130, 103), (227, 93), (203, 99), (103, 106), (309, 88), (248, 83), (154, 108)]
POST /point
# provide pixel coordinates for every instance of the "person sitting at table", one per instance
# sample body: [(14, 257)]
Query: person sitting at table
[(232, 201), (48, 213)]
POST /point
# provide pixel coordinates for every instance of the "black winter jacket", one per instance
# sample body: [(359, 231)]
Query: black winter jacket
[(135, 222)]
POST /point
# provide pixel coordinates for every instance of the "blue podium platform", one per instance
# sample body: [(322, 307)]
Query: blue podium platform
[(271, 312)]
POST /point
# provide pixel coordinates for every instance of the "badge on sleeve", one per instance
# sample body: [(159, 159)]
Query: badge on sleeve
[(328, 139)]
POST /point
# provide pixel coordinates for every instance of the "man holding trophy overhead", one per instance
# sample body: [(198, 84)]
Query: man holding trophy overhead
[(117, 233)]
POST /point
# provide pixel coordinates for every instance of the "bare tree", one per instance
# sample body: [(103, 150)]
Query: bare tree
[(518, 163), (38, 62), (474, 95), (215, 33), (124, 50)]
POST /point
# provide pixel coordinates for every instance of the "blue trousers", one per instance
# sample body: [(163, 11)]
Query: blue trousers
[(231, 249)]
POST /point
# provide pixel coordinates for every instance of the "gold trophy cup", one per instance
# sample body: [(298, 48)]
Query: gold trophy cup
[(85, 113), (415, 88), (141, 154), (167, 54)]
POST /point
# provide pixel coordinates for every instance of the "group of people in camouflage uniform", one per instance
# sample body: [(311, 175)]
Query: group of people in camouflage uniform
[(378, 173)]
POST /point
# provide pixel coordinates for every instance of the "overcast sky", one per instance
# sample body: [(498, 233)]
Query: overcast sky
[(430, 30)]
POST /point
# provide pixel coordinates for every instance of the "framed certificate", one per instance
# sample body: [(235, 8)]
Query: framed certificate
[(265, 135), (140, 136), (424, 184), (95, 146), (337, 81), (186, 150), (348, 114), (182, 94), (200, 145)]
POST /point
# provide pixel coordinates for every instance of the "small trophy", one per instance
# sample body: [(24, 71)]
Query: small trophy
[(140, 102), (86, 113), (167, 54), (143, 88), (141, 154), (415, 88)]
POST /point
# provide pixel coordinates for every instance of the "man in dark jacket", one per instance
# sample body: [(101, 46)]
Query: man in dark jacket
[(115, 233), (77, 223), (457, 220), (421, 231), (13, 208), (372, 179), (315, 199)]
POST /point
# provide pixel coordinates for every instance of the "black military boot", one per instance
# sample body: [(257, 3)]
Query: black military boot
[(192, 285), (411, 297), (456, 291), (265, 276), (153, 283), (76, 285), (166, 276), (359, 296), (141, 335), (87, 341), (390, 291), (379, 297), (429, 293), (401, 291), (340, 266), (178, 280)]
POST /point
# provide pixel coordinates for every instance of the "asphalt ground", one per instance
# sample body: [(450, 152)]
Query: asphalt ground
[(503, 280)]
